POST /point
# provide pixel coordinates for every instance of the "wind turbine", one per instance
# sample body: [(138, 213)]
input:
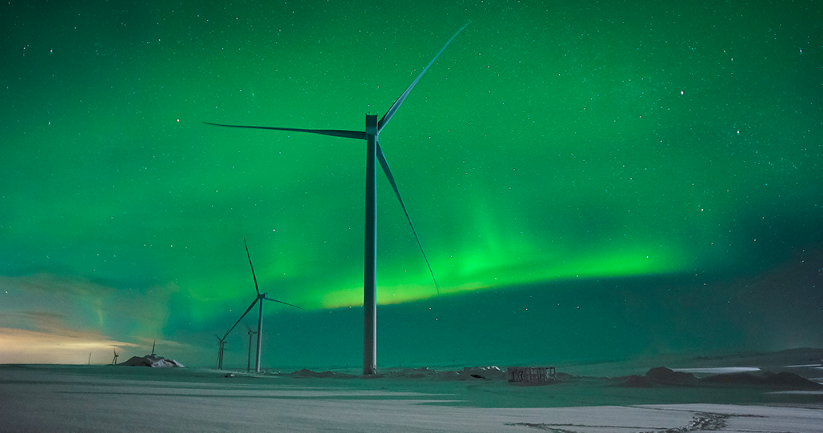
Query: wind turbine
[(260, 297), (373, 153), (221, 343), (114, 360), (248, 366)]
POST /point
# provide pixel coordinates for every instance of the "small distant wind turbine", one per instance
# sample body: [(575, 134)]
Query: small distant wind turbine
[(248, 366), (221, 342), (114, 360), (260, 297), (373, 153)]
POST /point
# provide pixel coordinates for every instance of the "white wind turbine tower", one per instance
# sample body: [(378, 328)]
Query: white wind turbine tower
[(374, 153), (260, 297)]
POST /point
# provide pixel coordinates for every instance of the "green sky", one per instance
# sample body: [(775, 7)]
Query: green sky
[(611, 178)]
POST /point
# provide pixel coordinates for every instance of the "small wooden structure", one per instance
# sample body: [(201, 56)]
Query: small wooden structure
[(532, 375)]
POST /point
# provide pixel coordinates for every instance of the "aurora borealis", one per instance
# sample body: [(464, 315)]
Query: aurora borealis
[(606, 178)]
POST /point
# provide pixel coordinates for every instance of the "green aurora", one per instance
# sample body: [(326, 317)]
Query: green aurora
[(609, 178)]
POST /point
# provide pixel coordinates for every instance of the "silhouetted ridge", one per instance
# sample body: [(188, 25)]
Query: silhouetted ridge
[(784, 380), (659, 376), (662, 376)]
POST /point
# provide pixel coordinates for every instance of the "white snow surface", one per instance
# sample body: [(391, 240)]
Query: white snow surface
[(717, 370), (110, 399)]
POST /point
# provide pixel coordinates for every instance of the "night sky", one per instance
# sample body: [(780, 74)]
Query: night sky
[(589, 180)]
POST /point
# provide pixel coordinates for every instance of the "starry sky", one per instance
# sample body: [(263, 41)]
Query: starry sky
[(590, 180)]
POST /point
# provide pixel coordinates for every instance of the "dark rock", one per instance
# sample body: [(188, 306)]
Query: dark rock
[(636, 381), (789, 380), (150, 361), (658, 376), (669, 376)]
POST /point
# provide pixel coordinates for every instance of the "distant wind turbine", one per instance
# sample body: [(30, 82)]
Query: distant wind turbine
[(373, 153), (260, 297), (221, 343), (248, 365)]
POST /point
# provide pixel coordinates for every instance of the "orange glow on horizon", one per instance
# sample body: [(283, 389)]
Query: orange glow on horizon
[(20, 346)]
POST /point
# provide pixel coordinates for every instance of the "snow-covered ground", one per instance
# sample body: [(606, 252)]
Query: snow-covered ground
[(717, 370), (127, 399)]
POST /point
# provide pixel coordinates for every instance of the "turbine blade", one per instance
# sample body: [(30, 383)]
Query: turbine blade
[(252, 267), (286, 303), (385, 164), (241, 317), (386, 117), (333, 132)]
